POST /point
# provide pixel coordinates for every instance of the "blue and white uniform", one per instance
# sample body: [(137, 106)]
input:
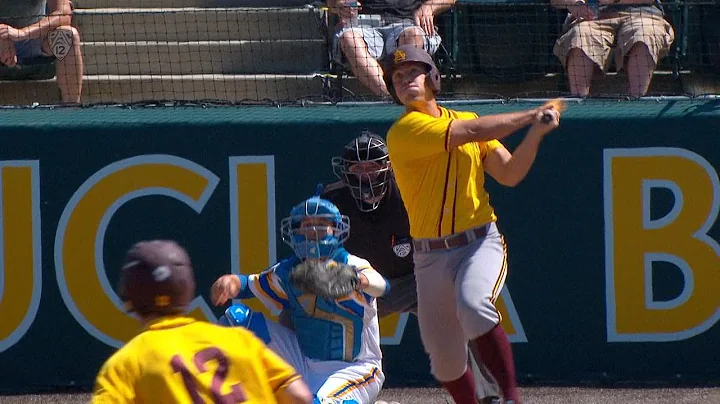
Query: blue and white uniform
[(336, 345), (336, 342)]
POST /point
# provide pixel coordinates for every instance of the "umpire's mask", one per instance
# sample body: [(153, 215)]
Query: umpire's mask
[(365, 168)]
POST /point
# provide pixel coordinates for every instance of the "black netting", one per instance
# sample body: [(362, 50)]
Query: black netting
[(230, 51)]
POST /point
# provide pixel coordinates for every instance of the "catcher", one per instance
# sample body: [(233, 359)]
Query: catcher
[(330, 296), (177, 359)]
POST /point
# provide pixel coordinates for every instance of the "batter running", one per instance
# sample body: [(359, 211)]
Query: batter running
[(440, 158)]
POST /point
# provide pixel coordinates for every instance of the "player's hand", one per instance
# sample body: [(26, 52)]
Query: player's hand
[(540, 126), (424, 19), (224, 289), (13, 34)]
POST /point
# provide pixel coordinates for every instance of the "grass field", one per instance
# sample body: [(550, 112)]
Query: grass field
[(531, 395)]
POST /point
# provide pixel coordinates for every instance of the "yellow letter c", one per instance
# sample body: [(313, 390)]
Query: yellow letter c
[(80, 236)]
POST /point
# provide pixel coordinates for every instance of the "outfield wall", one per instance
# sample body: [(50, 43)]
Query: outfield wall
[(614, 267)]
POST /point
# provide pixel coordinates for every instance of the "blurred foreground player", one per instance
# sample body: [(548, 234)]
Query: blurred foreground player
[(177, 359)]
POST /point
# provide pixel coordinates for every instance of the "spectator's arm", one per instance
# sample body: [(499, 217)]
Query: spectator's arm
[(628, 2), (564, 3), (60, 15), (567, 3), (440, 6), (578, 9)]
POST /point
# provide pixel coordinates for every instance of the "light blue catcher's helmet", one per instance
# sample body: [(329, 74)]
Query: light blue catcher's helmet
[(315, 247)]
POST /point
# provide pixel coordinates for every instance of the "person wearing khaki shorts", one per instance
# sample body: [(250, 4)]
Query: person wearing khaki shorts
[(635, 29)]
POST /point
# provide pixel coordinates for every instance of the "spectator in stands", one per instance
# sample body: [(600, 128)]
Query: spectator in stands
[(39, 31), (636, 29), (374, 28)]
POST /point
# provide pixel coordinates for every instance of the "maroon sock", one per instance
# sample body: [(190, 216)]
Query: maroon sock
[(496, 354), (462, 389)]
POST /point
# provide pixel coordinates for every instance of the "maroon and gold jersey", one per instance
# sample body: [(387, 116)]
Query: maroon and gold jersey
[(181, 360), (443, 188)]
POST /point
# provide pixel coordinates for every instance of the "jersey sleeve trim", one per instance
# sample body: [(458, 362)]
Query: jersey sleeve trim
[(266, 287)]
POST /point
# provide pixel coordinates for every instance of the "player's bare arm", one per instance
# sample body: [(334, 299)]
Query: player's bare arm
[(492, 127), (510, 169), (60, 15)]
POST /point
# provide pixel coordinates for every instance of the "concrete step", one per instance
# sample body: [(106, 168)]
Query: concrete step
[(103, 89), (227, 57), (78, 4), (185, 25), (186, 3), (260, 88)]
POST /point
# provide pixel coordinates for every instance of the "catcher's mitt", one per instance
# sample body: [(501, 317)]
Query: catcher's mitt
[(327, 279)]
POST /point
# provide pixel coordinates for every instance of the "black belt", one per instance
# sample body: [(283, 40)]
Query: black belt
[(452, 241)]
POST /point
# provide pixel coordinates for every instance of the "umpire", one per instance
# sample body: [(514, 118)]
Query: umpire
[(368, 194)]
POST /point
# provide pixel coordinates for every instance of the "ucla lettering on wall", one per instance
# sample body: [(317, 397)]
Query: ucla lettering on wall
[(612, 237), (634, 241)]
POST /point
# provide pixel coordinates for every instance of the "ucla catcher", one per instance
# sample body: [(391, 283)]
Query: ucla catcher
[(335, 344)]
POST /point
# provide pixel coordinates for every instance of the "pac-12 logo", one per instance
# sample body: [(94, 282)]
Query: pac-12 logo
[(402, 247)]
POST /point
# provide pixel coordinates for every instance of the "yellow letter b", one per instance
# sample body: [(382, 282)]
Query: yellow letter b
[(634, 241)]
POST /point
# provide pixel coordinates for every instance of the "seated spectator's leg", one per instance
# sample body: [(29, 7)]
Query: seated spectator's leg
[(69, 67), (580, 70), (642, 41), (412, 36), (407, 33), (8, 57), (362, 47), (583, 50)]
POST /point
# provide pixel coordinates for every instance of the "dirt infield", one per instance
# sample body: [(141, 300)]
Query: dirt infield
[(532, 395)]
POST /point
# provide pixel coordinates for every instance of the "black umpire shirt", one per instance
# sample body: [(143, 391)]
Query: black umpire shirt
[(381, 236)]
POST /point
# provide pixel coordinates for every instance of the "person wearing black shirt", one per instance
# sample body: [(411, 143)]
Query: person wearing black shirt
[(380, 230)]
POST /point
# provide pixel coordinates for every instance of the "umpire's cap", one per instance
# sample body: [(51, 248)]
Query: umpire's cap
[(406, 54), (157, 277)]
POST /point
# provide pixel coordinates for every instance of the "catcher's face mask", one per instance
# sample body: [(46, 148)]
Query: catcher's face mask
[(365, 169), (315, 229)]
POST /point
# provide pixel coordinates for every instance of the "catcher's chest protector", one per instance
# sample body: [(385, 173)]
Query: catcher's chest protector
[(326, 330)]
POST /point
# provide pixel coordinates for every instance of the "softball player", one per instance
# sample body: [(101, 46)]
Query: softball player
[(440, 158), (334, 344), (177, 359), (368, 194)]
